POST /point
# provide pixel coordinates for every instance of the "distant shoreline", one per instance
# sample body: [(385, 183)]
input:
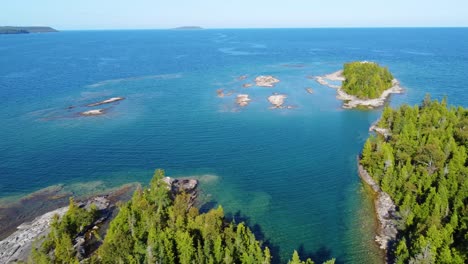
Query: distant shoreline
[(25, 30)]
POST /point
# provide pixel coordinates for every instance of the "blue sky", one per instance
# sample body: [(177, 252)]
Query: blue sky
[(146, 14)]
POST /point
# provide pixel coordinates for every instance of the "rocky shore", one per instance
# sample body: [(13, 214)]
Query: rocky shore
[(382, 131), (188, 186), (17, 246), (351, 101), (385, 209)]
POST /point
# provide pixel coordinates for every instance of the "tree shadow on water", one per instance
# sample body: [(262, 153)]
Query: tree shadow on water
[(256, 229), (204, 208), (319, 256)]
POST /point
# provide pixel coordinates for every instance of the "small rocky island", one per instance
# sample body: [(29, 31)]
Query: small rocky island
[(94, 112), (242, 100), (25, 30), (266, 81), (277, 100), (364, 84)]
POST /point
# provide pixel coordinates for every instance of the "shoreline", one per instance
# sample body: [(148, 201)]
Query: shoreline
[(17, 242), (17, 245), (351, 101), (385, 210)]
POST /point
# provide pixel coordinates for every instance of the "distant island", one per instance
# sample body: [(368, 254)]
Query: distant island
[(25, 30), (364, 84), (188, 28)]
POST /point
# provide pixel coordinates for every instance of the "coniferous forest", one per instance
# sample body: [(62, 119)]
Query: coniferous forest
[(421, 162), (154, 228), (366, 80)]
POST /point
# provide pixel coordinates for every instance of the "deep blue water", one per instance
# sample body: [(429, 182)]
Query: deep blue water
[(291, 172)]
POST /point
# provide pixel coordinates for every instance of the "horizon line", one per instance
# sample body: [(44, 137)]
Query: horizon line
[(249, 28)]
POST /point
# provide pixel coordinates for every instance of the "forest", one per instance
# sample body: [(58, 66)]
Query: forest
[(153, 227), (421, 162), (366, 80)]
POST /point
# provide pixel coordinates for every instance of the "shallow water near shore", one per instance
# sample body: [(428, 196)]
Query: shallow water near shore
[(291, 173)]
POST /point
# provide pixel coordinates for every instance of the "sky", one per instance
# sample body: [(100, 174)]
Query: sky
[(158, 14)]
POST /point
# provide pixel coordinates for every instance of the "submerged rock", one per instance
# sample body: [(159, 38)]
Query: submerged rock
[(107, 101), (221, 93), (247, 85)]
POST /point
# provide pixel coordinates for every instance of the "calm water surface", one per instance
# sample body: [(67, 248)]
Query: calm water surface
[(290, 173)]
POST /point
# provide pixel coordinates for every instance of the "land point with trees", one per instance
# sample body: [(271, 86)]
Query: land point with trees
[(154, 227), (421, 162)]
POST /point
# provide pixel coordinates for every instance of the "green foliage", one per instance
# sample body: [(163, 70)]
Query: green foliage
[(151, 228), (366, 80), (297, 260), (423, 167), (57, 247)]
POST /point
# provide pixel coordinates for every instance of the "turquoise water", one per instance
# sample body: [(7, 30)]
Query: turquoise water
[(291, 173)]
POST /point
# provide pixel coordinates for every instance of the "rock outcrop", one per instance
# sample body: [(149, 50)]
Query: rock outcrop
[(18, 245), (242, 100), (177, 186), (277, 100)]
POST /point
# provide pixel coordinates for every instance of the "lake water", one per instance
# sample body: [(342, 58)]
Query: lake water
[(291, 172)]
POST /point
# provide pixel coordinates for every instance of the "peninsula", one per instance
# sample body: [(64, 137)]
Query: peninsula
[(25, 30), (416, 163), (364, 84)]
